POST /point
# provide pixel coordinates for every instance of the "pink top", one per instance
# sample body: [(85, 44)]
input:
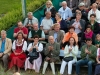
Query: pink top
[(88, 35)]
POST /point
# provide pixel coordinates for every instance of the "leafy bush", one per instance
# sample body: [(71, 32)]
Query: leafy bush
[(13, 16)]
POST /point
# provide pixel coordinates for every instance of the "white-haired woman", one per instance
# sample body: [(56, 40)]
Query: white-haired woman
[(51, 8)]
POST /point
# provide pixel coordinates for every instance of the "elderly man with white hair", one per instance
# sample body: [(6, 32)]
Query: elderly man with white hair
[(52, 54), (65, 11), (30, 20), (5, 48)]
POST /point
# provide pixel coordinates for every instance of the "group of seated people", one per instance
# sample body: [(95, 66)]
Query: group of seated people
[(76, 26)]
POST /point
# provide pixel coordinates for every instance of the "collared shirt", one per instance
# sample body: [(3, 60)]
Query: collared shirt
[(34, 20), (77, 24), (2, 46), (55, 36), (65, 14), (42, 35)]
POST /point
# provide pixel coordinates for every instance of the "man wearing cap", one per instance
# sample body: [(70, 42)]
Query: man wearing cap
[(81, 7)]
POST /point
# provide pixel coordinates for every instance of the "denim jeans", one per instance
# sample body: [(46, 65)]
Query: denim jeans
[(84, 62)]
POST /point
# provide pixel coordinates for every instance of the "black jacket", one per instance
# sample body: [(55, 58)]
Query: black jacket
[(96, 27), (53, 12)]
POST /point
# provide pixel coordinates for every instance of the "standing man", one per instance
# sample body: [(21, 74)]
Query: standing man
[(5, 48), (88, 55)]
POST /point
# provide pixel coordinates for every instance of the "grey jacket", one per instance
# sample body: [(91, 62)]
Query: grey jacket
[(55, 52), (74, 3), (60, 35)]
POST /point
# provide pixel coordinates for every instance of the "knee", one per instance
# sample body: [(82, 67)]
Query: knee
[(70, 63), (90, 63), (5, 57)]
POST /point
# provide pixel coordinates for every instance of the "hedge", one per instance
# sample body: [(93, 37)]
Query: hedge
[(13, 16)]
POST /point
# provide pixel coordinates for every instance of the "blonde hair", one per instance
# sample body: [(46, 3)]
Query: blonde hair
[(98, 35), (54, 25), (58, 15), (49, 1)]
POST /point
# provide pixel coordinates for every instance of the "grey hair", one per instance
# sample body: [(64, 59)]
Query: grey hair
[(30, 13), (47, 12), (3, 31), (64, 2), (58, 15)]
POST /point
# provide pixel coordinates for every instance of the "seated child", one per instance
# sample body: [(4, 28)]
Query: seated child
[(88, 32), (97, 41)]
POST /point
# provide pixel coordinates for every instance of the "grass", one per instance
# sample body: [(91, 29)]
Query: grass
[(32, 72), (9, 5)]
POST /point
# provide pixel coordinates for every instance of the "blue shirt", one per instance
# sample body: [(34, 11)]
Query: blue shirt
[(2, 47), (65, 14), (55, 37)]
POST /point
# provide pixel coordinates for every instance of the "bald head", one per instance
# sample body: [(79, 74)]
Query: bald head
[(17, 73), (51, 39)]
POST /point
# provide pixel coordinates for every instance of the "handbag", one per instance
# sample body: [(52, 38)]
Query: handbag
[(34, 54), (67, 59)]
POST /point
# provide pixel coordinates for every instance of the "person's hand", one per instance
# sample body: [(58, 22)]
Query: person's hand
[(1, 54), (49, 47), (70, 49), (89, 52), (79, 27), (99, 62), (16, 53), (52, 48), (36, 47), (47, 58), (86, 51), (74, 25)]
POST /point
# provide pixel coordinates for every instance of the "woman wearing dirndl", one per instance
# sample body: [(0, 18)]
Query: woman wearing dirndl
[(18, 57)]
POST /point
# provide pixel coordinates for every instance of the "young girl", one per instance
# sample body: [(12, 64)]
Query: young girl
[(97, 69), (88, 33), (97, 41)]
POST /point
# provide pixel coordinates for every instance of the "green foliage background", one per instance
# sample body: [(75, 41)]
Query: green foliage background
[(15, 14)]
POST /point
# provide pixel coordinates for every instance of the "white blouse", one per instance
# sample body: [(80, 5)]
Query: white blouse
[(98, 51), (40, 46), (24, 48)]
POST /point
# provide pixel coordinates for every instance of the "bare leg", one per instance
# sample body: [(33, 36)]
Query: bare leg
[(18, 69)]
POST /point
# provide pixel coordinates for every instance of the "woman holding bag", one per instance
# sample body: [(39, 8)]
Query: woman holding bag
[(70, 55), (34, 60)]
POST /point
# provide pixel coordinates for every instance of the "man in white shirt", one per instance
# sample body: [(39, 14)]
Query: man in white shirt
[(47, 23), (95, 11)]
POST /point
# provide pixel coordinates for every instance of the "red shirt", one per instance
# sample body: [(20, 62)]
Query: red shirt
[(24, 29)]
